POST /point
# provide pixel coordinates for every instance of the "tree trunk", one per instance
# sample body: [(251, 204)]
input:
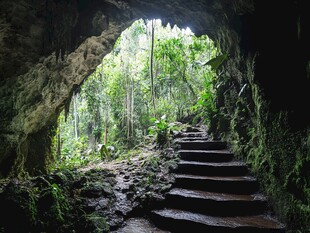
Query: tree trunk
[(132, 105), (58, 152), (128, 107), (151, 67), (98, 125), (106, 128), (76, 118)]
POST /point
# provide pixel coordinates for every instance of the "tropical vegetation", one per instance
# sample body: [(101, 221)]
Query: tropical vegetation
[(154, 76)]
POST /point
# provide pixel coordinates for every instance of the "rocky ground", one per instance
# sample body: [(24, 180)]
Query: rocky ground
[(139, 225), (96, 198)]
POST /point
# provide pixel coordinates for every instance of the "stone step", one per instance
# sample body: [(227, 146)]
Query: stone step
[(176, 220), (193, 129), (191, 134), (212, 169), (234, 185), (192, 138), (202, 145), (216, 204), (212, 192), (206, 155)]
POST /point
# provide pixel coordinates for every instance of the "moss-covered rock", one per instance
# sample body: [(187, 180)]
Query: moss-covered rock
[(277, 154), (95, 224), (18, 205), (96, 189), (53, 207)]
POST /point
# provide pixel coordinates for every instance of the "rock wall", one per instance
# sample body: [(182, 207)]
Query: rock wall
[(34, 93), (49, 47), (261, 100)]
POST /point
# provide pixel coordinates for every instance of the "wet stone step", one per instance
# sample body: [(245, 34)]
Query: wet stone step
[(232, 184), (138, 225), (206, 155), (183, 221), (212, 169), (191, 134), (212, 192), (216, 204), (202, 145), (192, 138)]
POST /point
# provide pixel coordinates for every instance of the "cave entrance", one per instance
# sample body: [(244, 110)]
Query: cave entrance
[(154, 76)]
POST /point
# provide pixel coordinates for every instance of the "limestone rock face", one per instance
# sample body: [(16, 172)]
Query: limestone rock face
[(33, 100)]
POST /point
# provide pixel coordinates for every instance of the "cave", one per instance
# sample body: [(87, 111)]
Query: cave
[(48, 48)]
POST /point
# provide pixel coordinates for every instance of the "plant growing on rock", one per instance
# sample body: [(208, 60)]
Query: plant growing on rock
[(161, 129)]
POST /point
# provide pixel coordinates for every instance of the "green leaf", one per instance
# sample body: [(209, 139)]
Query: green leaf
[(152, 120), (216, 62), (104, 152)]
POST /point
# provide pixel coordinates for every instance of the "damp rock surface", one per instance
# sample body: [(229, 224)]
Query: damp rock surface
[(139, 225), (101, 195)]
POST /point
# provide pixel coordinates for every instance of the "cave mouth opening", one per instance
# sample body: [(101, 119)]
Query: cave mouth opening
[(154, 75)]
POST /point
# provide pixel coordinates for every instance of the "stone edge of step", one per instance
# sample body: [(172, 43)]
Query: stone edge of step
[(216, 178), (205, 195), (214, 164), (232, 222), (220, 152)]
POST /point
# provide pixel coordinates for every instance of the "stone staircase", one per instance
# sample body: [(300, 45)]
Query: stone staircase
[(213, 192)]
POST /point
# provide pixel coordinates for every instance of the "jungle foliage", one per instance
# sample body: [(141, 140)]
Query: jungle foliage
[(155, 75)]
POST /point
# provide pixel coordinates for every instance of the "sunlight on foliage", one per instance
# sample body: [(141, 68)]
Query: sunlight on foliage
[(162, 130), (216, 62), (118, 104)]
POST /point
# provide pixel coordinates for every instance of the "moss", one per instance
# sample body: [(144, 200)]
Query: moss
[(97, 189), (53, 207), (18, 203), (96, 224), (53, 203), (278, 159), (95, 174), (64, 177), (278, 156), (151, 163)]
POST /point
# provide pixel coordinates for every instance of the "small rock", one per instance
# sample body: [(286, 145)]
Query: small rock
[(103, 202), (130, 194), (131, 187)]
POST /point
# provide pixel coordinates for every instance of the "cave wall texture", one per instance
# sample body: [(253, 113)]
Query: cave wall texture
[(47, 49)]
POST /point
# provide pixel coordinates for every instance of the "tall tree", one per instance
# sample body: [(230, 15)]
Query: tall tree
[(76, 116), (152, 71), (152, 65)]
